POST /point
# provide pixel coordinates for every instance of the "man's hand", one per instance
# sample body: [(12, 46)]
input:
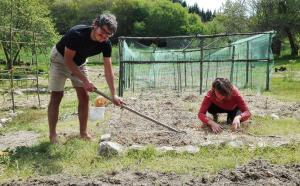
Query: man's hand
[(117, 101), (236, 123), (88, 86), (215, 127)]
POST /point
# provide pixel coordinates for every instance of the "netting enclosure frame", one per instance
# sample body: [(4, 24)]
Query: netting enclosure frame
[(247, 57), (29, 71)]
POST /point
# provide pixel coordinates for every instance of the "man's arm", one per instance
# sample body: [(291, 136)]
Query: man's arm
[(68, 59), (109, 76)]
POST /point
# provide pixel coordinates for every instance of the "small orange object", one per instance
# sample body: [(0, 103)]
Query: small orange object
[(100, 101)]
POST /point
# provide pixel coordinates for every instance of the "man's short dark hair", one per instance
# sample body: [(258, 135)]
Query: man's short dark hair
[(107, 19)]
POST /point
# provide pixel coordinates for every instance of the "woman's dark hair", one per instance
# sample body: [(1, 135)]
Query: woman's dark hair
[(223, 86)]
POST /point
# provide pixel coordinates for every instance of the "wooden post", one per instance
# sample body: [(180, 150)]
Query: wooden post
[(184, 57), (174, 75), (201, 70), (268, 63), (232, 63), (247, 65), (154, 75), (132, 76), (11, 59), (207, 72), (121, 65), (192, 76), (36, 68)]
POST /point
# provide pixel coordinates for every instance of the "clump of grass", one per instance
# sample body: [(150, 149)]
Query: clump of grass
[(27, 120), (284, 90), (286, 87), (268, 126)]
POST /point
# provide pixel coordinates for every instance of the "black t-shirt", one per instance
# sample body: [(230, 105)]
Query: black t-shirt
[(78, 39)]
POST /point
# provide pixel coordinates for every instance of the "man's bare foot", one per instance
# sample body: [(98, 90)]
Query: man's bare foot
[(53, 139), (86, 136)]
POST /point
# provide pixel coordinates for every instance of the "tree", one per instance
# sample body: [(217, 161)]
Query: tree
[(131, 15), (195, 25), (64, 14), (166, 18), (280, 15), (235, 18), (216, 26), (21, 21), (181, 2)]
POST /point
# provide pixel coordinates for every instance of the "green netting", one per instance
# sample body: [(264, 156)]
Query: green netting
[(194, 62)]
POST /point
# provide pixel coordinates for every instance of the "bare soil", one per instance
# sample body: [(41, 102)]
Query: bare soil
[(12, 140), (257, 172), (180, 112)]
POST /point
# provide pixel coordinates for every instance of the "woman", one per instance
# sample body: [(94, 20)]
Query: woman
[(223, 98)]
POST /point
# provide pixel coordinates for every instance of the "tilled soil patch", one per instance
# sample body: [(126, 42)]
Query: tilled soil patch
[(12, 140), (257, 172), (180, 111)]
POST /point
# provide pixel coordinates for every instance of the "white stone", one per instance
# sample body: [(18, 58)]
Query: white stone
[(18, 92), (189, 149), (137, 147), (274, 116), (105, 137), (5, 120), (235, 144), (109, 147), (13, 114), (165, 148), (261, 144), (296, 114)]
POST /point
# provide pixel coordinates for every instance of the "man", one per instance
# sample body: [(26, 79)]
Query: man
[(68, 58)]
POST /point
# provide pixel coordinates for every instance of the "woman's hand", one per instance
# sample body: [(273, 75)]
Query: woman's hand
[(236, 123), (215, 127)]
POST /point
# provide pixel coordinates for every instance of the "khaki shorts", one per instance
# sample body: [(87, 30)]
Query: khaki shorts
[(58, 72)]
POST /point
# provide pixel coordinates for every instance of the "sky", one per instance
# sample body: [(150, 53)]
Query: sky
[(206, 4)]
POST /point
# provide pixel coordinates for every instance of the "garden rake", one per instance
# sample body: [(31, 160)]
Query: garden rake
[(140, 114)]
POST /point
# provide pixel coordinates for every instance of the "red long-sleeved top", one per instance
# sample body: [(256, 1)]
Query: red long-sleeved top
[(235, 100)]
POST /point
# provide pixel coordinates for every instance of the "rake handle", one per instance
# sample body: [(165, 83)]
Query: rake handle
[(138, 113)]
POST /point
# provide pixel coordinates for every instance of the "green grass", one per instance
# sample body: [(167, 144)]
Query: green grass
[(284, 90), (27, 120), (77, 157), (267, 126), (286, 85), (98, 59)]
